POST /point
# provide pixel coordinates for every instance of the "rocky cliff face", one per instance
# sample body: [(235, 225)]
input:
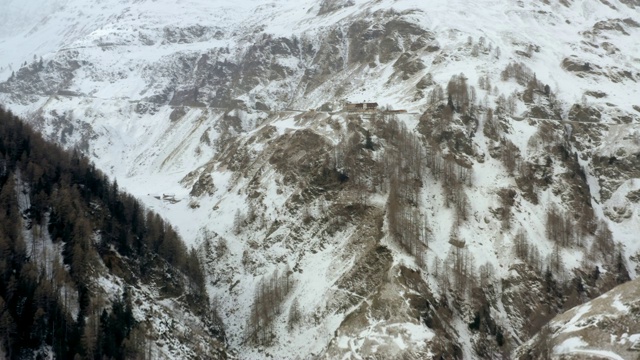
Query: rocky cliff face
[(417, 234)]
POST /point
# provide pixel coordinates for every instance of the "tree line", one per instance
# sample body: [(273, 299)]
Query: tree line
[(269, 295), (47, 190)]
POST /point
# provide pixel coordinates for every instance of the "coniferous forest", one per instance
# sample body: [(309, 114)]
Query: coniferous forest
[(62, 225)]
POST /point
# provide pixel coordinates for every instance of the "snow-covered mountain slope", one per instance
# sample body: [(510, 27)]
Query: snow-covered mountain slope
[(606, 327), (206, 112), (110, 61)]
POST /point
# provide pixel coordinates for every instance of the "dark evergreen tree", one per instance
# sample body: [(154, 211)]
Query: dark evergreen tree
[(81, 205)]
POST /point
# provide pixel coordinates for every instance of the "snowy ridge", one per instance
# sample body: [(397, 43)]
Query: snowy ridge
[(606, 327)]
